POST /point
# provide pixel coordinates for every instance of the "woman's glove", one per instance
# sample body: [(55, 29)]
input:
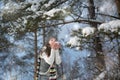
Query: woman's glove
[(56, 45)]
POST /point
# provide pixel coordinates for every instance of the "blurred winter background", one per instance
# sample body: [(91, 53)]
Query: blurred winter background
[(88, 30)]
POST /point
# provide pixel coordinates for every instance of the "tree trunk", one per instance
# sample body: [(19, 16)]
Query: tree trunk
[(97, 42), (44, 35), (118, 6), (36, 54), (91, 9), (118, 56)]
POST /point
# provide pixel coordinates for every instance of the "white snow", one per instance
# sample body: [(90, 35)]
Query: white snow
[(10, 7), (35, 5), (88, 31), (104, 26), (112, 26), (49, 3), (115, 25), (38, 12), (33, 1), (24, 20), (101, 76), (74, 41), (53, 12)]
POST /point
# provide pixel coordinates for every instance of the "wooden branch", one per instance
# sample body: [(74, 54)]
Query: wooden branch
[(107, 15), (81, 20)]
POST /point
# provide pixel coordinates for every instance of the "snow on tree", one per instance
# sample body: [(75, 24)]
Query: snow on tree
[(28, 16), (88, 31), (112, 26), (110, 30), (10, 7), (31, 12), (74, 41), (110, 51), (101, 76), (54, 12), (36, 14)]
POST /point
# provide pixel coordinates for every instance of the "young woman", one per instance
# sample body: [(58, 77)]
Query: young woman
[(49, 61)]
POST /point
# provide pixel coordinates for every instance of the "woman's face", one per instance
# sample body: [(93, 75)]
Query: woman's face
[(52, 40)]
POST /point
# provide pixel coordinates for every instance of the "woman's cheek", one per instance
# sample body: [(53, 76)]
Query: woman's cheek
[(51, 42)]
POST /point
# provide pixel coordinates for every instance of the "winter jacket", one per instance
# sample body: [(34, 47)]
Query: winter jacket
[(44, 63)]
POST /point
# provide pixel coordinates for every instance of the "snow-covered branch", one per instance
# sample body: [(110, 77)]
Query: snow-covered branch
[(101, 76), (88, 31), (74, 41), (81, 20), (112, 26), (37, 8)]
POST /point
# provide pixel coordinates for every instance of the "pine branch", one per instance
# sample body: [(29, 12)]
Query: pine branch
[(107, 15), (81, 20), (56, 4)]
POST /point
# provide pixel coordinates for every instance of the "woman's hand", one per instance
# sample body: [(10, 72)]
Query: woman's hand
[(55, 45)]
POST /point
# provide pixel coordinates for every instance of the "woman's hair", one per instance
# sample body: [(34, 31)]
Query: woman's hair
[(48, 49)]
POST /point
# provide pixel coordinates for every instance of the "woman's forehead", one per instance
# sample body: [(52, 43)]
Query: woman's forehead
[(52, 38)]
